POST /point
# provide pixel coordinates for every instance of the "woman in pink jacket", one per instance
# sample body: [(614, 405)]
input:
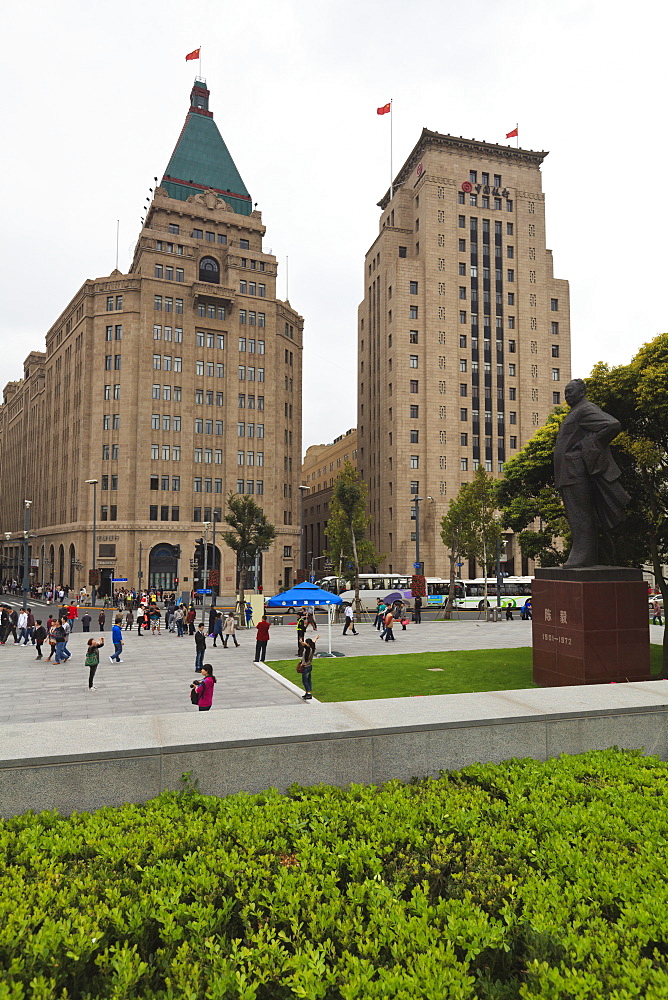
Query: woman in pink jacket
[(205, 688)]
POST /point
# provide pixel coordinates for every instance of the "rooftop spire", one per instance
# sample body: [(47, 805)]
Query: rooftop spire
[(202, 161)]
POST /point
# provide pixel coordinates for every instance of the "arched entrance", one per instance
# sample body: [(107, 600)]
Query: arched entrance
[(163, 566)]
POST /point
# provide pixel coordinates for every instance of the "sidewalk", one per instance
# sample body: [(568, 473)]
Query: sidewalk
[(155, 675)]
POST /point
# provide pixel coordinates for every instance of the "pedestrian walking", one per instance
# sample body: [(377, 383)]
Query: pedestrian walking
[(51, 626), (350, 620), (509, 613), (129, 619), (230, 629), (249, 614), (60, 635), (204, 688), (85, 622), (22, 626), (381, 607), (154, 616), (218, 628), (93, 659), (178, 621), (117, 639), (262, 638), (39, 636), (306, 663), (72, 615), (200, 648), (657, 609), (101, 618), (417, 612), (212, 620), (388, 632), (141, 620)]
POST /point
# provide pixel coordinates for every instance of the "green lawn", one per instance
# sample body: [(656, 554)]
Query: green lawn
[(358, 678)]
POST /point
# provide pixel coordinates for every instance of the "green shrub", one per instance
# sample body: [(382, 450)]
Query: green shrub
[(523, 880)]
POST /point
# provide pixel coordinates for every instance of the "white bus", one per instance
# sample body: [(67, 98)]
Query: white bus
[(515, 590), (390, 587), (469, 594)]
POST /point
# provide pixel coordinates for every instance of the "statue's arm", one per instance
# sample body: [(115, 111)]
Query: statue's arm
[(602, 425)]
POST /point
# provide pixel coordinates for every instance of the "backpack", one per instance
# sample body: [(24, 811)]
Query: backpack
[(59, 634)]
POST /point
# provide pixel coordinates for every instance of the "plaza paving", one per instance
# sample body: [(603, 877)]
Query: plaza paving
[(156, 671)]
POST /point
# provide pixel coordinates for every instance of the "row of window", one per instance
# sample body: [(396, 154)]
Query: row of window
[(255, 265), (168, 272), (163, 483), (167, 303), (112, 362), (251, 316), (113, 333), (205, 310), (168, 247), (248, 373), (164, 513), (168, 422), (114, 302), (252, 288), (485, 201), (247, 401), (249, 429), (165, 333)]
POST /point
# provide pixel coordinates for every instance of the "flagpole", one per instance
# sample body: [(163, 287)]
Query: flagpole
[(391, 139), (200, 62), (517, 137)]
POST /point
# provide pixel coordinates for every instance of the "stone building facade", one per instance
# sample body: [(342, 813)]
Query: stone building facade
[(171, 386), (463, 335), (322, 464)]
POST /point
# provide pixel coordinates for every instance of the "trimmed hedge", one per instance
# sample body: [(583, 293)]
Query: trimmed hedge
[(519, 880)]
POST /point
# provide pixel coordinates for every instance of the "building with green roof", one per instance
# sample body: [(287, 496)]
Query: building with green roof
[(201, 161)]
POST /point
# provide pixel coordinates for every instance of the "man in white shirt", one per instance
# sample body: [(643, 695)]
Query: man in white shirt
[(350, 620), (22, 625)]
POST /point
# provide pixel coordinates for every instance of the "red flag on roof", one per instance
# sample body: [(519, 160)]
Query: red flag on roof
[(193, 55), (511, 135), (386, 108)]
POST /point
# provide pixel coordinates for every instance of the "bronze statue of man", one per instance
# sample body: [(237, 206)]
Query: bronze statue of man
[(586, 474)]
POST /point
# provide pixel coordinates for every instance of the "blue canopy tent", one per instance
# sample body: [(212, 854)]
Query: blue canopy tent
[(307, 594)]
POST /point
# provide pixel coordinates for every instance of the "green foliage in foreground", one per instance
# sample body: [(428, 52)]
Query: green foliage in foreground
[(403, 675), (526, 879)]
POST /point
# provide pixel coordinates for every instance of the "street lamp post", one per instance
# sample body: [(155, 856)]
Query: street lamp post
[(418, 565), (26, 549), (93, 483), (8, 535), (303, 490), (206, 526), (213, 596)]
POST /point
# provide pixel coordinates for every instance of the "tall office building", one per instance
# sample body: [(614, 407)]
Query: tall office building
[(464, 336), (168, 387)]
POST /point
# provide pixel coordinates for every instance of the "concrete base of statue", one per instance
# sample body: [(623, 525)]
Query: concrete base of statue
[(590, 626)]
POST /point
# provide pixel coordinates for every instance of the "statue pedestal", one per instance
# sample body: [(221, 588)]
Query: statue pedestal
[(590, 626)]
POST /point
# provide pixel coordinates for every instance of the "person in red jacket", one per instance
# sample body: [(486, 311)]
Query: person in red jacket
[(72, 615), (205, 688), (262, 638)]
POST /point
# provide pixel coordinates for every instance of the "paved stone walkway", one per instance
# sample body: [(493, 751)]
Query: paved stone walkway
[(155, 675)]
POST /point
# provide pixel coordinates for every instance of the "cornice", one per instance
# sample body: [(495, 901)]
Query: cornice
[(468, 147)]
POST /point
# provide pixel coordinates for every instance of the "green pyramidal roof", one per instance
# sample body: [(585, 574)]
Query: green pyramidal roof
[(201, 160)]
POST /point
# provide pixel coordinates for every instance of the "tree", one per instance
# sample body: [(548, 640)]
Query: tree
[(251, 533), (471, 527), (526, 493), (637, 394), (455, 532), (347, 526)]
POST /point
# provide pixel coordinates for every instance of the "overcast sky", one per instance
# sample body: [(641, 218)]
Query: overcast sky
[(94, 98)]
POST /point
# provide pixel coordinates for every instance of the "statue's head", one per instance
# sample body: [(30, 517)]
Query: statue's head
[(575, 391)]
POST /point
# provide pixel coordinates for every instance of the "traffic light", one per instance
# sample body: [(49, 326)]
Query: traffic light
[(176, 581)]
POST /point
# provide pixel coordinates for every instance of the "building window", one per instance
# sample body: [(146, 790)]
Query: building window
[(415, 487), (555, 374), (413, 385), (556, 398), (413, 287), (512, 369), (413, 361), (463, 389), (463, 464), (554, 305), (463, 413), (415, 462)]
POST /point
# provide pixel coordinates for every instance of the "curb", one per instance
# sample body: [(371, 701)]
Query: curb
[(284, 681)]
